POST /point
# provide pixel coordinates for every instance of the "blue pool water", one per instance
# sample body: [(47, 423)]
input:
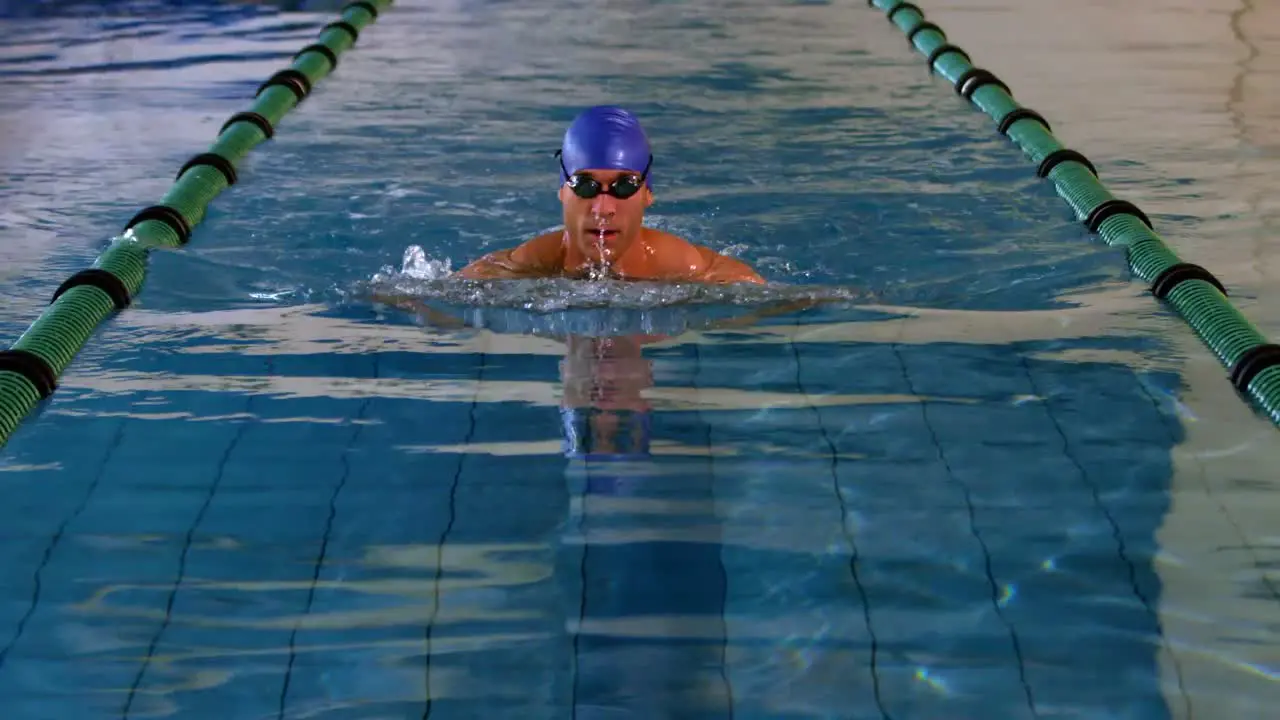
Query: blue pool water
[(261, 494)]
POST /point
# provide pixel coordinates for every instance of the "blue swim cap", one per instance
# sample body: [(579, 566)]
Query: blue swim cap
[(604, 137)]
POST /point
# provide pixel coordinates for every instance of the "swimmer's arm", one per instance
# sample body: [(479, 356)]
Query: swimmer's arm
[(729, 270), (782, 308), (745, 321), (428, 315), (724, 269)]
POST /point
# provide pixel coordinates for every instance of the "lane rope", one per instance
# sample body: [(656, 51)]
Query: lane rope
[(31, 367), (1200, 298)]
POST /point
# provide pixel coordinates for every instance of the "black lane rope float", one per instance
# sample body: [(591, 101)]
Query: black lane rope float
[(1253, 363), (30, 369)]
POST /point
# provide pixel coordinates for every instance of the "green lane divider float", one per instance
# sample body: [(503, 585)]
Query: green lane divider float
[(30, 369), (1198, 296)]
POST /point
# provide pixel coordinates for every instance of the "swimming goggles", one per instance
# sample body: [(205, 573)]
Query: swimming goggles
[(587, 187)]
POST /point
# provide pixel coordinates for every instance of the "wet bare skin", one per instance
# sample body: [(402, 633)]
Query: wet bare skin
[(655, 256), (604, 236)]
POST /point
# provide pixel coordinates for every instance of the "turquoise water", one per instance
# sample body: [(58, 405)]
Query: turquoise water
[(946, 492)]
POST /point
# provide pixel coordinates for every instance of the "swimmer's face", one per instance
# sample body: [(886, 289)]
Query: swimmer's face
[(604, 227)]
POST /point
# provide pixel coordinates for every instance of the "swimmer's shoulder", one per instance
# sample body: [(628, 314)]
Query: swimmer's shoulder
[(699, 263), (544, 252), (541, 255)]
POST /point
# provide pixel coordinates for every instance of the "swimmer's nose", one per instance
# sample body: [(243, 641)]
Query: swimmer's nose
[(604, 204)]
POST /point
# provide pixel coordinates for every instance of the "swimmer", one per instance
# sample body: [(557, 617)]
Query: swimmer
[(605, 188)]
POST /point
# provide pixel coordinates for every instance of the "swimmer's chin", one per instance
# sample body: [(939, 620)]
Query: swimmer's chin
[(598, 255)]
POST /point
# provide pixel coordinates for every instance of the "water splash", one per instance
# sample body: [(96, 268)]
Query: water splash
[(426, 279), (600, 268), (417, 265), (598, 307)]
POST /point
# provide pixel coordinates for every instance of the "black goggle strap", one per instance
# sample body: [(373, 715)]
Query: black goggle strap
[(596, 183)]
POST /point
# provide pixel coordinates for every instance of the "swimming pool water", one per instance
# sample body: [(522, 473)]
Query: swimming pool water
[(976, 494)]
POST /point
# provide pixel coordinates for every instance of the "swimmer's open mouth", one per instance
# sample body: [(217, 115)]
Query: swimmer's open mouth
[(607, 234)]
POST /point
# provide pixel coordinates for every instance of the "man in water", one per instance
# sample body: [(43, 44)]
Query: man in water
[(604, 190)]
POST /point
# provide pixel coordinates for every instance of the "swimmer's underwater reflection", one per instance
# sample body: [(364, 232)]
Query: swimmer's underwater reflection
[(605, 414), (649, 637), (640, 561)]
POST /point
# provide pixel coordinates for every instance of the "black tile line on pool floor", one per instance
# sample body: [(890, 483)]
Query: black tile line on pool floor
[(428, 631), (1121, 548), (1203, 474), (241, 429), (323, 553), (56, 539), (724, 572), (584, 534), (973, 526), (854, 556), (582, 601)]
